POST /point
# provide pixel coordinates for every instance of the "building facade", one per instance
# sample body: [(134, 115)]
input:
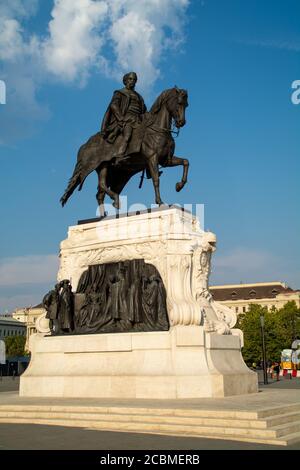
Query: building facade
[(28, 317), (11, 327), (267, 294)]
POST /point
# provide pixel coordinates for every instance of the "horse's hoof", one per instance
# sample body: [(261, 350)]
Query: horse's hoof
[(160, 203), (116, 204), (179, 186), (102, 212)]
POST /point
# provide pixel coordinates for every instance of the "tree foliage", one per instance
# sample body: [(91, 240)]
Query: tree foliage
[(15, 345), (282, 326)]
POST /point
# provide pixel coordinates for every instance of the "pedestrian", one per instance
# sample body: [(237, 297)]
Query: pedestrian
[(276, 369), (269, 367)]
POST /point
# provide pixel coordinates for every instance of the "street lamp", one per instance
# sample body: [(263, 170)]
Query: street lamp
[(262, 324)]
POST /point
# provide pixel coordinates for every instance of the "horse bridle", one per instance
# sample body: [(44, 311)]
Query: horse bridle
[(165, 129)]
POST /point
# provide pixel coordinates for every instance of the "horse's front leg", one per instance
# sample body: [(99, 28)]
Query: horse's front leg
[(153, 169), (100, 198), (176, 161), (102, 189), (100, 195)]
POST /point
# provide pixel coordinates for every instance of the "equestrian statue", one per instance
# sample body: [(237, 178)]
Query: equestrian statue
[(132, 140)]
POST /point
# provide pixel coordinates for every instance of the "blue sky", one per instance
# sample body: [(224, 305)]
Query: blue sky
[(238, 60)]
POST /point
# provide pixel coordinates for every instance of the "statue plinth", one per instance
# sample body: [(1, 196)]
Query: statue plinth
[(200, 355)]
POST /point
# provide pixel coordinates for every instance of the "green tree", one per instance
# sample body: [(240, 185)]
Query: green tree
[(289, 320), (281, 328), (15, 345), (273, 335), (250, 325)]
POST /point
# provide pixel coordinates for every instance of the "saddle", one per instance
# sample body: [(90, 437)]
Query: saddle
[(115, 139)]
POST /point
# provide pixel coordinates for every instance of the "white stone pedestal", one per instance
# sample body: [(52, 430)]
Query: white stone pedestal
[(200, 356)]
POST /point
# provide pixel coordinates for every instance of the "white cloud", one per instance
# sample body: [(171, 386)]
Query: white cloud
[(126, 33), (21, 67), (142, 31), (80, 32), (83, 36), (28, 270), (18, 8), (74, 38), (12, 44), (137, 33)]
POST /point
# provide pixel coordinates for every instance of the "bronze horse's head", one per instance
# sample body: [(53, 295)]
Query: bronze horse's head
[(177, 103), (175, 100)]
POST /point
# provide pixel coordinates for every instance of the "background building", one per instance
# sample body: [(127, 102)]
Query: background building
[(268, 294), (28, 317), (11, 327)]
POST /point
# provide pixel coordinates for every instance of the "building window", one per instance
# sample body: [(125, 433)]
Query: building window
[(236, 310), (244, 309), (4, 332), (233, 295), (274, 291), (252, 294)]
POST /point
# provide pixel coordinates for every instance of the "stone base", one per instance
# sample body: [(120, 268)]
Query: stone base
[(200, 356), (185, 362)]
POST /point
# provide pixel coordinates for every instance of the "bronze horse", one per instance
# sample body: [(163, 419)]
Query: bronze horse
[(152, 145)]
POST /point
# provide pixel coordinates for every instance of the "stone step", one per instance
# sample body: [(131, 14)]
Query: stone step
[(282, 419), (220, 414), (256, 424), (283, 441), (166, 426), (239, 423), (230, 414), (148, 428), (287, 428), (278, 410), (291, 438), (281, 425)]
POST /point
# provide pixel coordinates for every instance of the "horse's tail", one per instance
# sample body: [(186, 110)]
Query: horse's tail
[(74, 181)]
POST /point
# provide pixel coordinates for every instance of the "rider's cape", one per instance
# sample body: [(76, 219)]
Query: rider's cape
[(121, 101)]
